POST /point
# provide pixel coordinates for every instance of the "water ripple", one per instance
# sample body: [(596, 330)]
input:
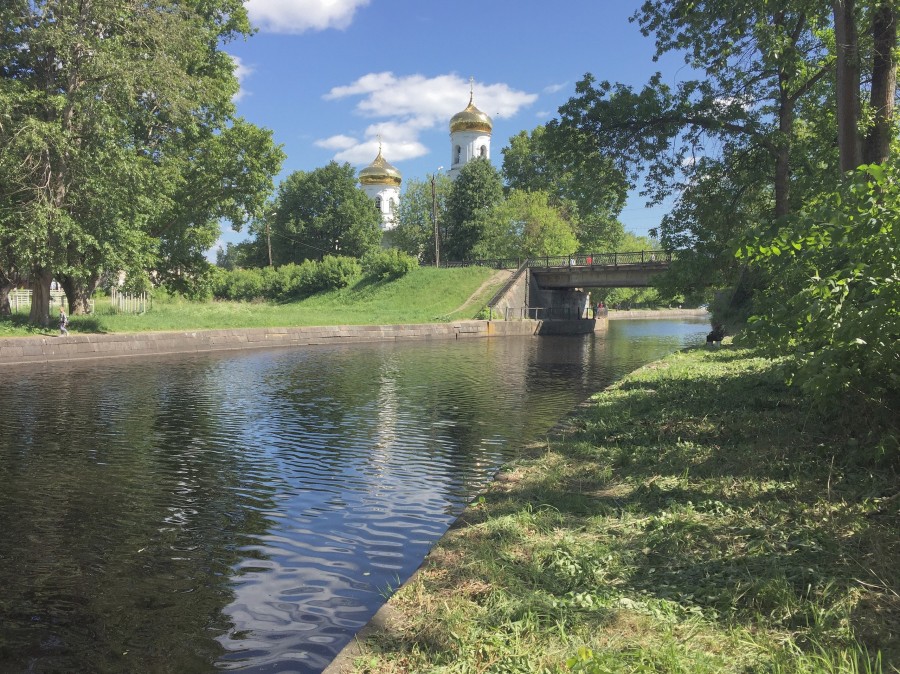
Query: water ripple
[(251, 511)]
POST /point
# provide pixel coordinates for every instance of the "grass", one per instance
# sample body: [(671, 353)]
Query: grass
[(696, 517), (425, 295)]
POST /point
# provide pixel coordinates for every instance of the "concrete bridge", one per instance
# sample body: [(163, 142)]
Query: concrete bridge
[(604, 270), (558, 288)]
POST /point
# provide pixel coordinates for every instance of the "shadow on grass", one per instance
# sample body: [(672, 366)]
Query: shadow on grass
[(718, 489)]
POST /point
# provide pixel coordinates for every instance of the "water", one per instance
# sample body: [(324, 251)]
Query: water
[(251, 512)]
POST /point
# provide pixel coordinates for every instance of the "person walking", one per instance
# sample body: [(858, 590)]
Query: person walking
[(63, 322)]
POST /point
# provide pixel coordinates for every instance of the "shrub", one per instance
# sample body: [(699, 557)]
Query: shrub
[(388, 264), (334, 272), (834, 295)]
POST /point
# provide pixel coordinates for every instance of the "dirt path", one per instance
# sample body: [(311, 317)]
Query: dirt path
[(499, 277)]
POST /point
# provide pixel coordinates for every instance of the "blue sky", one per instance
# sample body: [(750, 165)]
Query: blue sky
[(328, 76)]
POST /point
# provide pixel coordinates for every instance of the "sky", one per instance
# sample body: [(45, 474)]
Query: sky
[(329, 77)]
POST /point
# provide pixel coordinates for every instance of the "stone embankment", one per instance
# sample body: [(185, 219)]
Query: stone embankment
[(23, 350), (623, 314)]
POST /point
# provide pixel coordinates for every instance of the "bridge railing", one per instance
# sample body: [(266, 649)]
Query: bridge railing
[(604, 259), (575, 260)]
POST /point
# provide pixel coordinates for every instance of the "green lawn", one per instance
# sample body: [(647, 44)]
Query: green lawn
[(697, 517), (423, 296)]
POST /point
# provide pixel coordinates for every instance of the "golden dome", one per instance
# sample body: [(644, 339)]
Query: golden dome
[(379, 172), (471, 119)]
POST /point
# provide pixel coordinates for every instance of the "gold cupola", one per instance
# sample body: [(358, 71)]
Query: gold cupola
[(379, 172), (471, 119)]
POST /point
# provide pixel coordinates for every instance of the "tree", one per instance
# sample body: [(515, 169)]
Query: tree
[(758, 59), (868, 143), (414, 232), (521, 226), (585, 186), (103, 149), (323, 212), (478, 187)]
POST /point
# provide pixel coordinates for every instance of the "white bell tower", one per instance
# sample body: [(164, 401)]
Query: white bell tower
[(381, 183), (470, 135)]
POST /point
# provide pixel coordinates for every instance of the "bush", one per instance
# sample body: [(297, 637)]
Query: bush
[(290, 281), (388, 264), (335, 272), (834, 295)]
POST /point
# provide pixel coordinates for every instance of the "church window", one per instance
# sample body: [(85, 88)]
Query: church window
[(378, 204), (483, 151), (458, 154)]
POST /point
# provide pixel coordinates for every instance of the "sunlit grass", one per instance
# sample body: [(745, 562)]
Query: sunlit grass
[(423, 296), (696, 517)]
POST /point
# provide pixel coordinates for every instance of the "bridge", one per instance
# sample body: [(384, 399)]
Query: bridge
[(604, 270), (558, 287), (586, 270)]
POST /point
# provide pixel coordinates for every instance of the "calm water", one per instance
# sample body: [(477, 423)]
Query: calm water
[(251, 511)]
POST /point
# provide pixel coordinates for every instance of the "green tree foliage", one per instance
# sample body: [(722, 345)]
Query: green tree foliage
[(118, 141), (414, 232), (521, 226), (585, 186), (476, 189), (322, 212), (833, 297)]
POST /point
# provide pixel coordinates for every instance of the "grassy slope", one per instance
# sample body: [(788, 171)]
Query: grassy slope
[(425, 295), (696, 517)]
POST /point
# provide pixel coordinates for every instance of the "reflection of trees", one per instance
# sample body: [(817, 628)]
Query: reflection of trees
[(122, 516)]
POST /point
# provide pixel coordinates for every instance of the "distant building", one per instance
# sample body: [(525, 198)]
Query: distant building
[(470, 139), (470, 136), (381, 182)]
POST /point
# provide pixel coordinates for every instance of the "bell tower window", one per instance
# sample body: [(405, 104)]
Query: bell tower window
[(378, 204)]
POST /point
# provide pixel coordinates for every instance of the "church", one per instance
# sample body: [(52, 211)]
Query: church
[(470, 139)]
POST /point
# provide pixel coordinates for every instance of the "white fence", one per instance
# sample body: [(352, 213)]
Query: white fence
[(20, 302), (129, 304)]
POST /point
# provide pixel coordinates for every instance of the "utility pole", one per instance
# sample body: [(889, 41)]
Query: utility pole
[(269, 237), (437, 234)]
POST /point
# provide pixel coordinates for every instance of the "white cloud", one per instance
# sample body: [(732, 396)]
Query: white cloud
[(299, 16), (410, 104), (241, 72), (553, 88), (339, 142)]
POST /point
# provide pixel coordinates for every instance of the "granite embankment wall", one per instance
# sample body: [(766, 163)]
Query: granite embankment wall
[(623, 314), (24, 350)]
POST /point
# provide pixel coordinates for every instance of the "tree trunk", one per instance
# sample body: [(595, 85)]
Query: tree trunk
[(783, 153), (78, 294), (40, 297), (847, 83), (884, 83), (5, 287), (8, 281)]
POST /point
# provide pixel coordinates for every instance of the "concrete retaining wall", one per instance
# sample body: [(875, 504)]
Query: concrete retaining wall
[(623, 314), (23, 350)]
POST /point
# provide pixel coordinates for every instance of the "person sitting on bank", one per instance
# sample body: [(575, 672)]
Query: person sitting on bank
[(717, 334)]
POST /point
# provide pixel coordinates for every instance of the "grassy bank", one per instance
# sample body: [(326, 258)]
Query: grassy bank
[(424, 295), (696, 517)]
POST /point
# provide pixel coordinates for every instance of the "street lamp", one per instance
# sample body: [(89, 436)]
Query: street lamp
[(437, 235)]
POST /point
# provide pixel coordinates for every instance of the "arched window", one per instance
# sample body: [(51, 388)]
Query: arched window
[(458, 154), (391, 204), (378, 204), (483, 151)]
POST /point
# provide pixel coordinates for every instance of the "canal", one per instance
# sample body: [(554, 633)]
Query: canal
[(251, 511)]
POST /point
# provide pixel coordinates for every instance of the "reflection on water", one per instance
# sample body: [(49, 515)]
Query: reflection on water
[(251, 511)]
